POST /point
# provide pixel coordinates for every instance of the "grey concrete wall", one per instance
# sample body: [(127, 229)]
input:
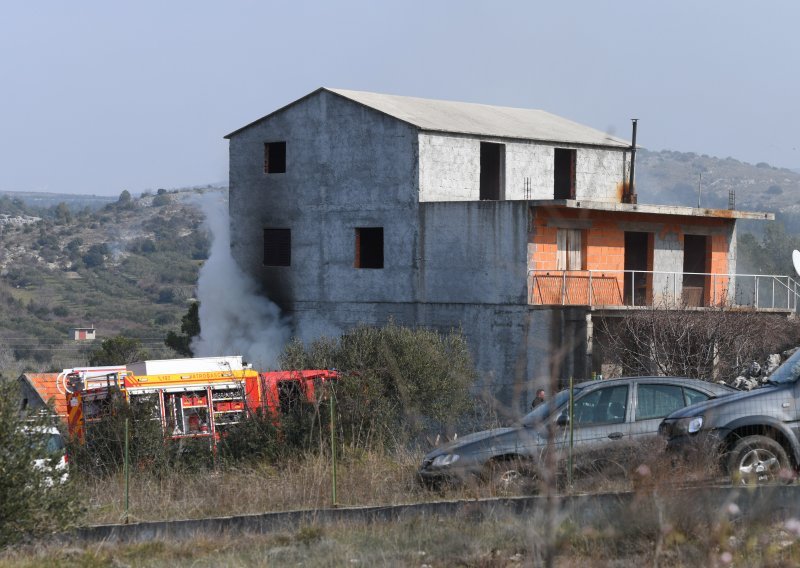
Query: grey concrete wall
[(473, 252), (667, 257), (641, 512), (449, 167), (346, 166), (516, 349)]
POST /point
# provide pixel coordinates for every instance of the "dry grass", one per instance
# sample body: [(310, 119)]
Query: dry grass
[(662, 526), (363, 478), (304, 482), (489, 542)]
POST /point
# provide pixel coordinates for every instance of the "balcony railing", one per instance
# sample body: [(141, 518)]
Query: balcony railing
[(639, 288)]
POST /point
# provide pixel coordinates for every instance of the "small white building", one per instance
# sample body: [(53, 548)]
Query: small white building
[(83, 333)]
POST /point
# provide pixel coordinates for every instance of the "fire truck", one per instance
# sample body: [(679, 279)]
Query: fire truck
[(192, 398)]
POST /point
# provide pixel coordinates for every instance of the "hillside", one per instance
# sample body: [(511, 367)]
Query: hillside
[(673, 178), (129, 267)]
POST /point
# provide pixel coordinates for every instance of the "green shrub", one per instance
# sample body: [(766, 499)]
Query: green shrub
[(399, 383), (31, 504)]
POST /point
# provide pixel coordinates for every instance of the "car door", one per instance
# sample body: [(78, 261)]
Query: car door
[(601, 425), (654, 401)]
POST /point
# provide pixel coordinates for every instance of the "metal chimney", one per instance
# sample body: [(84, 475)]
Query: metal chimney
[(631, 185)]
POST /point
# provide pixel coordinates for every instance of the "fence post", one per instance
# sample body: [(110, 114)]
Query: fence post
[(571, 417), (127, 471), (714, 289), (590, 289), (563, 287), (332, 401), (755, 279)]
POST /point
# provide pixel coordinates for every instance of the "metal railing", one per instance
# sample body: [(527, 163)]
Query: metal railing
[(638, 288)]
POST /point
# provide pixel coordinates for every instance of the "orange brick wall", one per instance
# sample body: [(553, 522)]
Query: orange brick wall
[(604, 249)]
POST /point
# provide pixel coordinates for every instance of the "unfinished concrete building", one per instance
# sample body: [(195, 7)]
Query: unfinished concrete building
[(516, 225)]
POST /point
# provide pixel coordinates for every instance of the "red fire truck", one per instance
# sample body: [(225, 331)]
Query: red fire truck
[(198, 397)]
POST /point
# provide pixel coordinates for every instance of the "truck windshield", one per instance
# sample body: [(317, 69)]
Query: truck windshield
[(541, 412), (788, 372)]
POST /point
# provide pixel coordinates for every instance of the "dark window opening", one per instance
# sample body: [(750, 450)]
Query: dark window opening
[(277, 247), (369, 247), (492, 170), (275, 158), (564, 169), (638, 255), (695, 257), (290, 397)]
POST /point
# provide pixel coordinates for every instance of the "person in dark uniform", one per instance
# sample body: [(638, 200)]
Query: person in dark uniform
[(538, 399)]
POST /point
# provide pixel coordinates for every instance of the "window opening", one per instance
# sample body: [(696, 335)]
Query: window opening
[(637, 258), (569, 243), (277, 247), (564, 173), (290, 397), (492, 178), (275, 157), (369, 247), (695, 256)]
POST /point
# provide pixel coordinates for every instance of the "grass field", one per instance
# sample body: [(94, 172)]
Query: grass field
[(492, 542)]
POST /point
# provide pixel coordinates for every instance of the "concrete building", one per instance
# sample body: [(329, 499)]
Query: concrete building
[(84, 333), (516, 225)]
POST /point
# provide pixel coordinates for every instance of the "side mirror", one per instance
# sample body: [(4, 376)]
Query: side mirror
[(563, 419)]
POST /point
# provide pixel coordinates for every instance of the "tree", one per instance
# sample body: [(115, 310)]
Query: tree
[(63, 214), (124, 198), (400, 382), (95, 257), (712, 344), (119, 350), (31, 503), (190, 328)]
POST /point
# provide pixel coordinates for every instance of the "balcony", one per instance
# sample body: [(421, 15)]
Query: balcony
[(637, 288)]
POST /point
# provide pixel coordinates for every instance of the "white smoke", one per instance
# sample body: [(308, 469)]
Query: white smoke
[(235, 319)]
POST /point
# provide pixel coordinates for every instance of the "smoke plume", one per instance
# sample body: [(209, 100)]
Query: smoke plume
[(235, 319)]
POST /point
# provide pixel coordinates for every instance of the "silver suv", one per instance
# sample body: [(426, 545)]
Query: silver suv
[(754, 435)]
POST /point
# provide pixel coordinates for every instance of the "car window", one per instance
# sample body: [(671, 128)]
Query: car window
[(656, 401), (693, 396), (544, 410), (602, 406), (55, 443)]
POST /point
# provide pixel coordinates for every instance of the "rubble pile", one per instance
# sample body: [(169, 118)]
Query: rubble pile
[(755, 374)]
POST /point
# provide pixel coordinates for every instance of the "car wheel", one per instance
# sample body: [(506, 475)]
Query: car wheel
[(757, 459), (507, 476)]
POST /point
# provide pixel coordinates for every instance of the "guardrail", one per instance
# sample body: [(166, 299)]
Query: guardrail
[(638, 288)]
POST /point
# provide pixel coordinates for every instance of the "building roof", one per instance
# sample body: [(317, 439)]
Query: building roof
[(474, 119), (46, 387), (655, 209)]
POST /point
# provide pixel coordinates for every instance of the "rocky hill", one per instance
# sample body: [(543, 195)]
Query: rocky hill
[(676, 178), (129, 266)]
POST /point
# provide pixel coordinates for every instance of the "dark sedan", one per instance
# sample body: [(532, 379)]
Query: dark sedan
[(610, 416)]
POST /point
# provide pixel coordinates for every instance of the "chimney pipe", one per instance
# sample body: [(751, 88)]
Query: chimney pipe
[(631, 187)]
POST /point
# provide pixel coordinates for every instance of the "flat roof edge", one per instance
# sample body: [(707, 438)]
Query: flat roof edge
[(677, 210)]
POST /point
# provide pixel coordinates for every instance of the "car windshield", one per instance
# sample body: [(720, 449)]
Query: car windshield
[(788, 372), (51, 443), (541, 412)]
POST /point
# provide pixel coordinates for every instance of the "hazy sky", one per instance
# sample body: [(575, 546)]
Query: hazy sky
[(100, 96)]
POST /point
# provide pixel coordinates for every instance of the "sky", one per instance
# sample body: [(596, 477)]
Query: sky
[(97, 97)]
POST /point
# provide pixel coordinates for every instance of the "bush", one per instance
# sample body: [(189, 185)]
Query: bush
[(119, 350), (254, 439), (102, 452), (30, 503), (400, 383)]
